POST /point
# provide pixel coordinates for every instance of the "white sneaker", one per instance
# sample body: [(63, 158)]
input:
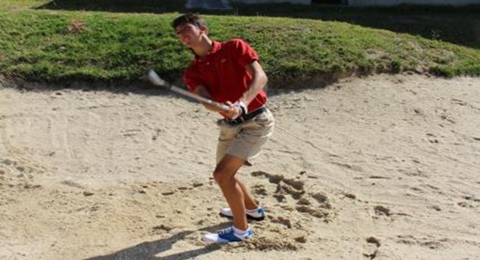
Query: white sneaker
[(227, 235), (252, 214)]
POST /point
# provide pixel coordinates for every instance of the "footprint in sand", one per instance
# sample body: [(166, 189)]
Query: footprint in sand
[(290, 195), (290, 213), (422, 241), (291, 210), (382, 211), (371, 247), (469, 202), (19, 172)]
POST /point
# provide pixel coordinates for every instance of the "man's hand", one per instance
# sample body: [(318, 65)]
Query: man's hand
[(236, 109)]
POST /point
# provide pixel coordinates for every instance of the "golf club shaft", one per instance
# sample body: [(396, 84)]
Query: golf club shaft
[(156, 80), (199, 98)]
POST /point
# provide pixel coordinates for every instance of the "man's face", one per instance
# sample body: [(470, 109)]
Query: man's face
[(189, 34)]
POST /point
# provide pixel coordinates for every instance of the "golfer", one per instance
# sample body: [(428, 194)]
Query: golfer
[(229, 72)]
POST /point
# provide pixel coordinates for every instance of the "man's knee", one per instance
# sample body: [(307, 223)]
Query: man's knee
[(221, 177), (226, 169)]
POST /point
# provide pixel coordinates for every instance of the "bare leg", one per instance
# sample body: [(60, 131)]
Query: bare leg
[(249, 201), (232, 189)]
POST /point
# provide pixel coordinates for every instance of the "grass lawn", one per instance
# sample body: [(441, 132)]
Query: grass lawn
[(107, 41)]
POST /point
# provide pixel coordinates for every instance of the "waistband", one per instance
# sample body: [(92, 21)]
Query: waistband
[(246, 117)]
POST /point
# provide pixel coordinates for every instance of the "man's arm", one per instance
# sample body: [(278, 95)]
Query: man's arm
[(202, 91), (259, 80)]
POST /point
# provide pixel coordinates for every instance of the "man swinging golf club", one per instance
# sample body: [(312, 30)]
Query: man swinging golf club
[(229, 72)]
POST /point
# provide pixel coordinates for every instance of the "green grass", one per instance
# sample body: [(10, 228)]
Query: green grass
[(61, 45)]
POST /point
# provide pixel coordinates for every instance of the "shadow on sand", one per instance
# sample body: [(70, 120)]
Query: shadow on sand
[(149, 250)]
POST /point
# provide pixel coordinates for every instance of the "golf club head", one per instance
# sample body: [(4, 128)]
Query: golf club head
[(153, 77)]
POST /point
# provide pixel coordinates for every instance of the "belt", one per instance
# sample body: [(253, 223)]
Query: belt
[(246, 117)]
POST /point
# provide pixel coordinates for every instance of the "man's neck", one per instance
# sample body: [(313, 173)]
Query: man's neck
[(203, 48)]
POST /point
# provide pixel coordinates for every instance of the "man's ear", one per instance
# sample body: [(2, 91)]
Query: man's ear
[(203, 29)]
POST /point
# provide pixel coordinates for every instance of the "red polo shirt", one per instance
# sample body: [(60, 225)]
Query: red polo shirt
[(223, 72)]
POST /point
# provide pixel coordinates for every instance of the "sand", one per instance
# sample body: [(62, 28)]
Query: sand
[(384, 167)]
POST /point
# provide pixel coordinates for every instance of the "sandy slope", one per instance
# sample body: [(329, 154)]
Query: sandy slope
[(385, 167)]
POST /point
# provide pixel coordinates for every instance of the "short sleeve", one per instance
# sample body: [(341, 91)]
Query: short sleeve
[(244, 53), (191, 78)]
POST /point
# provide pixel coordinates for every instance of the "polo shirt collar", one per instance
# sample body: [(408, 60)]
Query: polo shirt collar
[(215, 47)]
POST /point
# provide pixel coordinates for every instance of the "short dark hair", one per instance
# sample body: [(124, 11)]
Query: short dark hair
[(189, 18)]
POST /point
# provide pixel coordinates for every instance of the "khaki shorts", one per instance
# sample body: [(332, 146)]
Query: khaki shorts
[(246, 139)]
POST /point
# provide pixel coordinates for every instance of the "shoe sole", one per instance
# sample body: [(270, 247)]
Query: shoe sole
[(248, 217)]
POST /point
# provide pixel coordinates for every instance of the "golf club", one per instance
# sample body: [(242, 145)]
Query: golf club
[(157, 81)]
